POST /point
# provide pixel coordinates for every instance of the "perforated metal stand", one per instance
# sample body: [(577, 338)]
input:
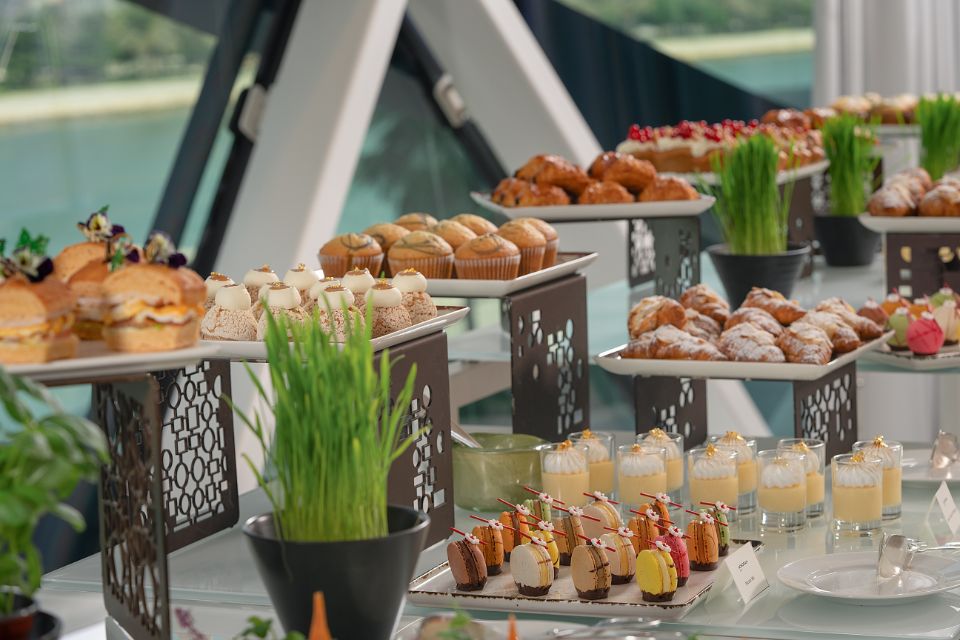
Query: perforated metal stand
[(549, 358), (918, 264), (665, 251), (676, 405)]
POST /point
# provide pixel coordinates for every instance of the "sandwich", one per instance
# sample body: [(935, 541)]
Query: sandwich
[(87, 285), (98, 231), (36, 309), (153, 305)]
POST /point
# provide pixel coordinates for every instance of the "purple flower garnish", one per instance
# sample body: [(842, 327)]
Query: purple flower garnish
[(159, 249), (177, 260)]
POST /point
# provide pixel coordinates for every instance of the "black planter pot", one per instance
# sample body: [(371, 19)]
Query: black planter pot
[(739, 274), (363, 581), (26, 622), (845, 242)]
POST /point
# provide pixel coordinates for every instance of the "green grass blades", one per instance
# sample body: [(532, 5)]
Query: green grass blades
[(750, 210), (850, 146), (337, 431), (939, 120)]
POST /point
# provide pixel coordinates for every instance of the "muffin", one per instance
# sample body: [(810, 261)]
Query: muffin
[(416, 221), (389, 313), (426, 252), (301, 279), (230, 317), (254, 280), (214, 282), (475, 223), (488, 257), (553, 239), (532, 244), (351, 250), (418, 302), (359, 281), (453, 232), (386, 234), (280, 300)]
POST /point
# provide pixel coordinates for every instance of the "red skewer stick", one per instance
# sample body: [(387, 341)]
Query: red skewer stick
[(712, 504), (696, 513), (582, 516), (455, 530), (483, 520), (647, 495), (591, 542), (537, 493), (663, 528), (639, 513), (537, 525), (594, 496)]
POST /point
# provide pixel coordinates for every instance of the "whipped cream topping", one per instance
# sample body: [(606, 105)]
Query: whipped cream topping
[(597, 450), (711, 468), (214, 282), (663, 546), (780, 474), (280, 296), (233, 297), (384, 295), (301, 278), (893, 297), (410, 281), (259, 277), (636, 464), (811, 460), (871, 304), (358, 280), (336, 298), (322, 285), (735, 441), (855, 474), (660, 438), (625, 532), (565, 460), (880, 449)]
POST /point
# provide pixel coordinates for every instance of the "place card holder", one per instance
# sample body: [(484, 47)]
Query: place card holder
[(665, 251), (919, 264)]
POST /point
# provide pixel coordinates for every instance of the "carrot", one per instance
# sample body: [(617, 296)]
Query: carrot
[(512, 628), (318, 624)]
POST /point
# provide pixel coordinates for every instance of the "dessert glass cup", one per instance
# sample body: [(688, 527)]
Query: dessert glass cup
[(599, 458), (746, 470), (506, 463), (814, 454), (674, 453), (642, 468), (782, 493), (858, 501), (890, 454), (715, 478), (572, 480)]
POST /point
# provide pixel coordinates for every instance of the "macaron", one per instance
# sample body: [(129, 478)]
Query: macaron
[(644, 527), (656, 574), (721, 520), (512, 524), (703, 546), (544, 531), (532, 568), (678, 551), (623, 558), (491, 538), (590, 569), (572, 528), (467, 564), (604, 511)]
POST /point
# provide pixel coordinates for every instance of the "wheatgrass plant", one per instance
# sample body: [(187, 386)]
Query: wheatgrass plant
[(336, 431), (750, 209), (850, 146), (939, 120)]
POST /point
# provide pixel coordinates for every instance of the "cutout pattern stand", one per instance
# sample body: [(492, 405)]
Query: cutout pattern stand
[(810, 196), (423, 476), (665, 251), (549, 358), (676, 405), (919, 264)]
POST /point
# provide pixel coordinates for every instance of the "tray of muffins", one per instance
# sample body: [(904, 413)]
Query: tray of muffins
[(617, 186), (910, 202), (548, 556), (768, 338), (101, 307), (925, 330), (463, 256)]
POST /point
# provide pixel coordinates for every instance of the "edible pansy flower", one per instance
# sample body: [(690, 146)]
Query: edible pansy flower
[(160, 249), (98, 227)]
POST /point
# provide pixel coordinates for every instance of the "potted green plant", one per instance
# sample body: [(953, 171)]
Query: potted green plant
[(338, 429), (850, 145), (753, 217), (42, 458), (939, 120)]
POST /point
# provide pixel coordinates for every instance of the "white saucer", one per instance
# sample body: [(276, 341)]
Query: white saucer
[(852, 578)]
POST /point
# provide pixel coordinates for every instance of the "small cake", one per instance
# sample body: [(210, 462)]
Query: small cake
[(721, 519), (656, 573), (255, 279), (783, 486), (386, 234), (389, 314), (621, 555), (487, 257), (659, 438), (540, 508), (453, 232), (661, 504), (467, 564), (642, 471), (746, 460), (941, 296), (924, 335), (415, 221), (336, 312), (898, 322), (712, 476), (858, 489), (350, 251), (598, 458), (892, 302), (889, 454), (871, 310), (604, 514), (418, 302), (491, 538), (310, 301), (514, 528), (475, 223), (644, 526), (359, 282), (532, 568), (571, 526), (673, 538), (946, 315), (590, 569), (301, 279), (280, 300), (703, 546), (426, 252), (532, 244), (214, 282), (231, 316), (543, 530), (565, 474)]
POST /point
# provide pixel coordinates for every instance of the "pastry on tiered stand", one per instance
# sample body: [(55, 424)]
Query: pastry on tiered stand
[(231, 316), (389, 313), (359, 282), (301, 279), (335, 310), (657, 573), (621, 555), (255, 279), (214, 282), (418, 302), (590, 569), (280, 300)]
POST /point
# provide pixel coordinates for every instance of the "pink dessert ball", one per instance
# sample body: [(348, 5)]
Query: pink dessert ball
[(924, 335)]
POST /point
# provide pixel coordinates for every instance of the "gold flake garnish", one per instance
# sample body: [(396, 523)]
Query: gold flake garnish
[(587, 434), (276, 286), (657, 433), (563, 446), (733, 436), (710, 451), (265, 269), (801, 446), (878, 442), (858, 457), (636, 448)]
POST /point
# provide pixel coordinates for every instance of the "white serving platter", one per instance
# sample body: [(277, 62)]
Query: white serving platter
[(852, 578), (95, 361), (947, 358), (497, 630), (612, 362), (567, 264), (437, 588), (256, 350), (917, 470), (910, 224), (898, 130), (783, 177), (598, 212)]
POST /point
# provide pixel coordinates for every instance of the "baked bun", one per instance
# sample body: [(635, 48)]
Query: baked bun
[(543, 195), (508, 192), (634, 174), (532, 244), (668, 188), (653, 312), (551, 235), (559, 172), (605, 193), (35, 321), (87, 285), (818, 115), (76, 256), (668, 342), (478, 224), (487, 257), (913, 184), (891, 201), (426, 252), (416, 221), (746, 342), (921, 174), (944, 201)]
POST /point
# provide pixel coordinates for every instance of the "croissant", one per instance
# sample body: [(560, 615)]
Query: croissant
[(774, 303), (671, 343), (842, 337), (706, 301), (653, 312), (805, 344), (866, 328), (632, 173), (701, 326), (605, 192), (757, 317), (560, 173), (747, 343)]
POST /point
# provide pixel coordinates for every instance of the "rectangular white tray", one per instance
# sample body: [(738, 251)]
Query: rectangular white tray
[(783, 177), (437, 588), (567, 263), (910, 224), (612, 362), (917, 469), (948, 358), (256, 351), (599, 212), (898, 130), (95, 361)]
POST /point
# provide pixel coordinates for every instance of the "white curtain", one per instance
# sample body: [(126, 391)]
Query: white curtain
[(886, 46)]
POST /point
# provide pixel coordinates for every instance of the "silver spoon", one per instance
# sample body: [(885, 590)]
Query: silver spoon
[(461, 435), (610, 628), (897, 552)]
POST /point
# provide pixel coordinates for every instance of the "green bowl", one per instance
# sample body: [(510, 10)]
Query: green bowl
[(506, 463)]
